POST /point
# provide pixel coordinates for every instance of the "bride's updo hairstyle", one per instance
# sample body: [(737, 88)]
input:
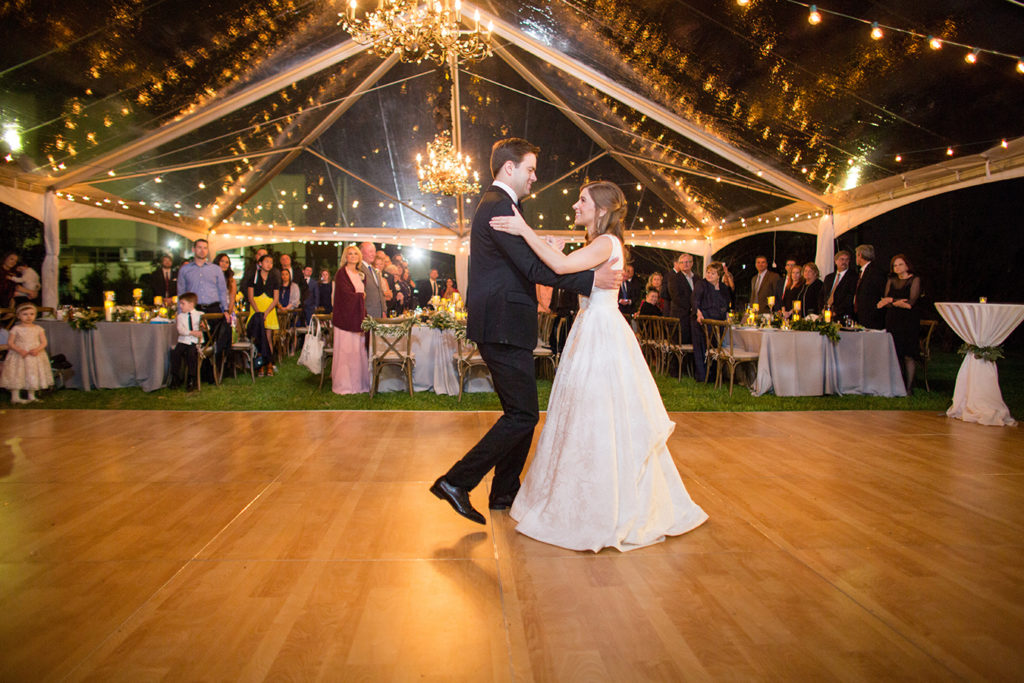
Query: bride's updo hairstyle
[(609, 198)]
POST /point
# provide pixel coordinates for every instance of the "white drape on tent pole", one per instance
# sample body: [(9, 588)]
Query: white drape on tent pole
[(706, 255), (462, 268), (825, 253), (51, 243)]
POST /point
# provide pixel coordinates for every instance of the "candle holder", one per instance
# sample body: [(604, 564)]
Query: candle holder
[(827, 315)]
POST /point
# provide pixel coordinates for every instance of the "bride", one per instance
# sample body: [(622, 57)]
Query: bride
[(602, 475)]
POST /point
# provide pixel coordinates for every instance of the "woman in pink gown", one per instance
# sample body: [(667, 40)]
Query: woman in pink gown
[(350, 373)]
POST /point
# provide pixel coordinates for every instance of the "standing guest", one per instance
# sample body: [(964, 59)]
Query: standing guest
[(565, 303), (185, 354), (650, 304), (870, 289), (657, 280), (223, 261), (402, 290), (207, 282), (762, 285), (164, 280), (780, 290), (810, 293), (678, 291), (7, 274), (27, 366), (381, 263), (449, 288), (410, 287), (373, 280), (250, 269), (294, 274), (350, 373), (325, 292), (712, 302), (263, 294), (838, 288), (902, 315), (290, 296), (429, 288), (791, 292), (631, 291)]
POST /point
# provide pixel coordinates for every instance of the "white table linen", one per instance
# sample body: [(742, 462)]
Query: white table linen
[(434, 369), (792, 363), (977, 397)]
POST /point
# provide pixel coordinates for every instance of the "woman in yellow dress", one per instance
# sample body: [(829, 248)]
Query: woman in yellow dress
[(263, 292)]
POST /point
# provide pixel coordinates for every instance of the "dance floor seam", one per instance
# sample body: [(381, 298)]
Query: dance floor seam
[(316, 551)]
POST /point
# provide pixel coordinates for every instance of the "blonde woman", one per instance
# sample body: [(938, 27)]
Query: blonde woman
[(350, 373)]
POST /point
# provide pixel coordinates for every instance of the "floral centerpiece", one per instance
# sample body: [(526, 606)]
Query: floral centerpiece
[(813, 323), (81, 319)]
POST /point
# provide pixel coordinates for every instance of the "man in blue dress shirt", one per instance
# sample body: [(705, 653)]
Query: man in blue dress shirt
[(206, 280)]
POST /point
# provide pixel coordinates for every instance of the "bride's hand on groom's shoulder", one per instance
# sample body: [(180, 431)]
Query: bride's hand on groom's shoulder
[(514, 224)]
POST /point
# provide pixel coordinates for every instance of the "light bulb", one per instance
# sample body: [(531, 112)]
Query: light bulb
[(742, 3), (1003, 144), (1020, 66), (899, 158), (972, 56), (934, 43), (876, 31), (949, 151), (814, 17)]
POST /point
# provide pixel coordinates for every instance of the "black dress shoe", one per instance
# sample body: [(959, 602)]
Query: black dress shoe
[(502, 502), (458, 498)]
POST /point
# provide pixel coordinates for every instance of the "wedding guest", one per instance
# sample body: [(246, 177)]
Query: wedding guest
[(26, 285), (350, 372), (376, 297), (324, 292), (27, 366), (409, 289), (402, 294), (185, 354), (870, 289), (7, 273), (430, 288), (263, 294), (250, 269), (679, 291), (224, 262), (780, 289), (791, 292), (207, 282), (290, 296), (449, 288), (712, 301), (631, 291), (164, 280), (650, 305), (657, 280), (838, 287), (763, 284), (810, 293), (902, 314)]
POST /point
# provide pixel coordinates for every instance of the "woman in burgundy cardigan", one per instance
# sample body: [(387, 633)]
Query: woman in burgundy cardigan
[(350, 373)]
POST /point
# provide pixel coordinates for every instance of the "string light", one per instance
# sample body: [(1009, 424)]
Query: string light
[(934, 43), (814, 16), (876, 31), (972, 56)]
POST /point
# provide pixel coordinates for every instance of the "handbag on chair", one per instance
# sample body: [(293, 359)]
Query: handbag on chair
[(313, 347)]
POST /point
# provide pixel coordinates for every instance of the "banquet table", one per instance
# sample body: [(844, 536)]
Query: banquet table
[(976, 396), (792, 363), (113, 355), (434, 369)]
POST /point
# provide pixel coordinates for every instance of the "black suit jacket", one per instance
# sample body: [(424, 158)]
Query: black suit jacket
[(426, 292), (502, 298), (870, 289), (634, 292), (161, 285), (842, 300), (680, 295)]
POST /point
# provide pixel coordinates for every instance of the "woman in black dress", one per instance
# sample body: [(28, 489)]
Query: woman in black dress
[(811, 291), (902, 315), (712, 301)]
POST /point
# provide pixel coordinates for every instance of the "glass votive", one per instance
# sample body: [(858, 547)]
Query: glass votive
[(158, 301), (982, 299)]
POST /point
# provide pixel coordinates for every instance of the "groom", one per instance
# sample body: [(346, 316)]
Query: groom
[(502, 303)]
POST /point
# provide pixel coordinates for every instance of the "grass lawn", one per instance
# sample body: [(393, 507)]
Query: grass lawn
[(294, 388)]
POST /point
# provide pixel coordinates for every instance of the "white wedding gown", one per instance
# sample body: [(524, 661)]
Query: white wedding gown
[(602, 475)]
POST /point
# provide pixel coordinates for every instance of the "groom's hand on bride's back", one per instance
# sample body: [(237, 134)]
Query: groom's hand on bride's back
[(606, 278)]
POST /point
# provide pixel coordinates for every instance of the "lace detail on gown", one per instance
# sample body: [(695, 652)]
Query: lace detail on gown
[(602, 475)]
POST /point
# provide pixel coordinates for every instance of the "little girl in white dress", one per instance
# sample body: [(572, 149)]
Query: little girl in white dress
[(602, 475), (27, 366)]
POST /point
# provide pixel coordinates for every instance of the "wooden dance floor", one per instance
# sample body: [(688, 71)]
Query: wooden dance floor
[(139, 546)]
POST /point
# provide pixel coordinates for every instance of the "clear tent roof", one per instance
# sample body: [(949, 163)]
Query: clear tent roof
[(823, 106)]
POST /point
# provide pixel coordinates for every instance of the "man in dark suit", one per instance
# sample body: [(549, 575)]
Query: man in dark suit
[(164, 279), (430, 287), (502, 305), (631, 292), (764, 284), (870, 289), (838, 288), (679, 291), (294, 272)]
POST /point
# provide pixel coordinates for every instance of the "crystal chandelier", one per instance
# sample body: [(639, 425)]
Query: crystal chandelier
[(415, 31), (445, 170)]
